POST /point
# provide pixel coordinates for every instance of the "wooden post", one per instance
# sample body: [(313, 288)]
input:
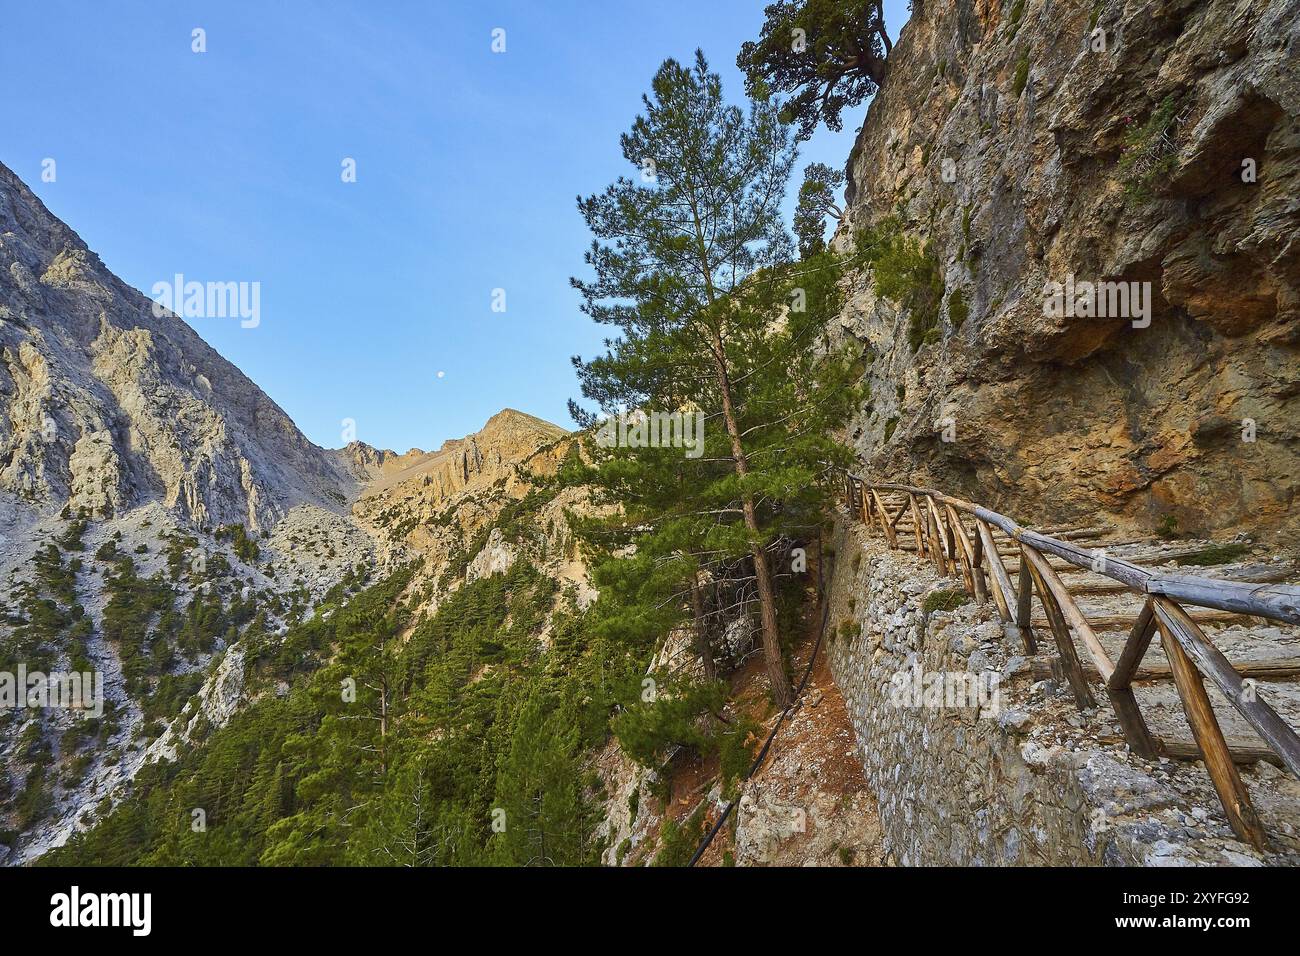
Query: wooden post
[(1139, 639), (1214, 749), (1003, 593), (1074, 616), (862, 504), (936, 538), (1210, 661), (1120, 690), (1024, 604), (942, 556), (1060, 631), (916, 524), (961, 553), (884, 520), (976, 573), (902, 510)]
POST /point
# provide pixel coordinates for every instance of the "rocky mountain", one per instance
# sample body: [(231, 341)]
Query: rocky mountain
[(104, 405), (366, 463), (162, 519), (472, 507), (1025, 143)]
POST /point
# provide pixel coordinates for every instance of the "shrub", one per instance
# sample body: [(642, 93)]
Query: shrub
[(648, 730), (1214, 554), (1022, 73), (958, 310), (907, 272), (736, 753), (944, 599), (71, 540), (677, 842), (245, 547), (1150, 153)]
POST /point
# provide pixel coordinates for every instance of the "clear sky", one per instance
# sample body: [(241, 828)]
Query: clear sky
[(225, 166)]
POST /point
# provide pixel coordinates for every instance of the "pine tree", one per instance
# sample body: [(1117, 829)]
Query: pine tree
[(816, 202), (693, 267), (830, 54), (543, 815), (341, 765)]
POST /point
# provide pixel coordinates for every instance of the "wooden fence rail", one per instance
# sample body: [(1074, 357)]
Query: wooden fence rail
[(938, 525)]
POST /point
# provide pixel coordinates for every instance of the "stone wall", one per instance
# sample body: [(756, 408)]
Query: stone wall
[(1027, 780)]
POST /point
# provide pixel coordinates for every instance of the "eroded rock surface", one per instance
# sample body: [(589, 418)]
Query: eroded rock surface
[(1024, 152)]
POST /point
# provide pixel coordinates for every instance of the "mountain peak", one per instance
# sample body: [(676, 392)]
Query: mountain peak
[(508, 438)]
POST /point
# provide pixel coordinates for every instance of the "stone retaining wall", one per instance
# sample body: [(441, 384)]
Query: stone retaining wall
[(1030, 782)]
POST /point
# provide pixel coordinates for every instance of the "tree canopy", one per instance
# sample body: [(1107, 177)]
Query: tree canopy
[(829, 55), (817, 195)]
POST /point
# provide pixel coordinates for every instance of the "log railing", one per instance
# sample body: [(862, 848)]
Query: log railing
[(938, 524)]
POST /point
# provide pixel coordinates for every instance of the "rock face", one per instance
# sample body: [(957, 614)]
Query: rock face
[(472, 463), (104, 405), (366, 463), (1153, 141), (441, 503), (496, 558)]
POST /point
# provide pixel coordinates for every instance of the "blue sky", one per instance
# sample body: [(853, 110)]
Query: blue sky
[(225, 166)]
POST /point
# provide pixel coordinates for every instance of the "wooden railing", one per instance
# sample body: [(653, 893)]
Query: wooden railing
[(938, 525)]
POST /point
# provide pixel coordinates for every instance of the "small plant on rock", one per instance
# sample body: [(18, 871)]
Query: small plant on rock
[(944, 599)]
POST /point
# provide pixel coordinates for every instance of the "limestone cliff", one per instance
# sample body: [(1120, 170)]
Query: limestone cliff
[(105, 406), (1147, 141), (473, 507)]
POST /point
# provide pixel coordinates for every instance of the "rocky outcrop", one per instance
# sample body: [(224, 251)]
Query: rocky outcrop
[(1145, 141), (218, 700), (105, 405), (437, 503), (367, 463), (477, 461), (496, 558)]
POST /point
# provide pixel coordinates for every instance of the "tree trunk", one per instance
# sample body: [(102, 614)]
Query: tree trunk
[(702, 645), (776, 675)]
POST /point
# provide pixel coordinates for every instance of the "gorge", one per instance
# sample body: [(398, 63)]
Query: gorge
[(514, 609)]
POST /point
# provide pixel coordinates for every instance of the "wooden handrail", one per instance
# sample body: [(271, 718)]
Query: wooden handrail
[(941, 536), (1280, 602)]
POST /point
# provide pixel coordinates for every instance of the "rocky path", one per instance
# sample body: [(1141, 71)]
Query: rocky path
[(1265, 652), (809, 804)]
